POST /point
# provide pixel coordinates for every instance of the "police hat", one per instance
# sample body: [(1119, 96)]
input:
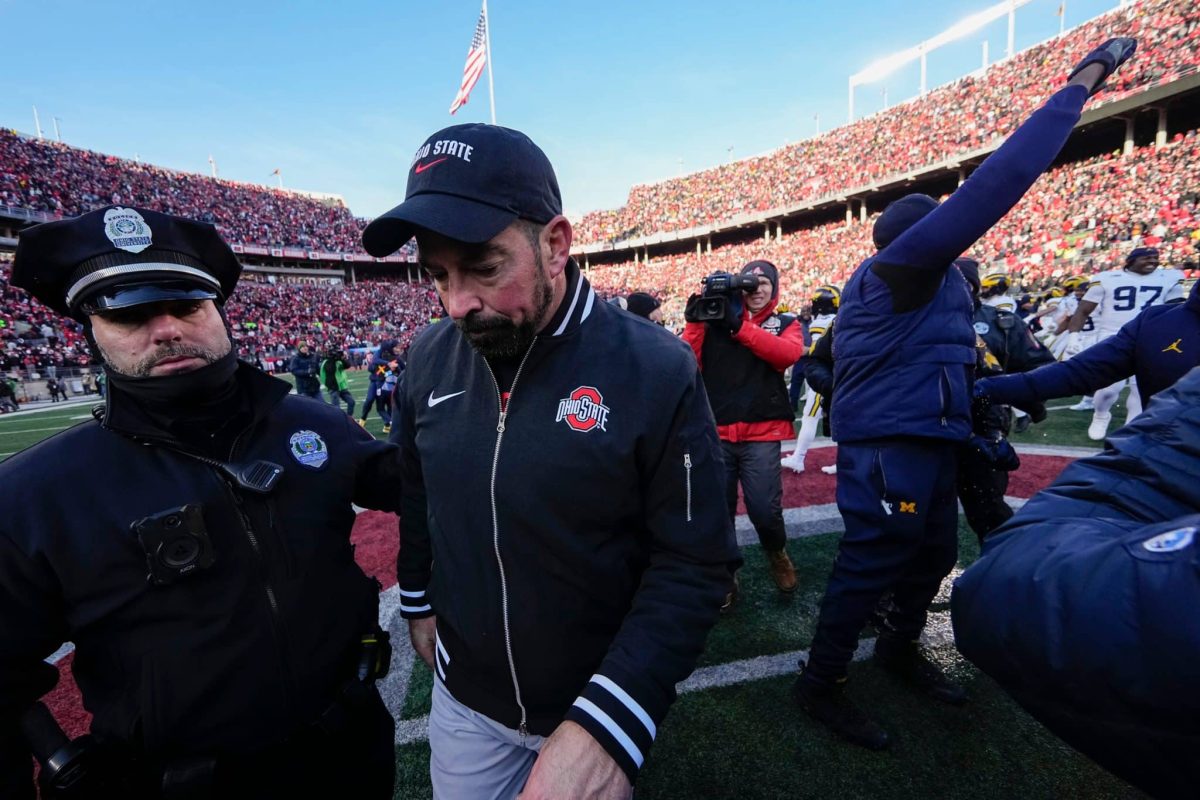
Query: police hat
[(116, 257)]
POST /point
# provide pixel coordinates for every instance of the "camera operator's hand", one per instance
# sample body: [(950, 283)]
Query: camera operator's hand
[(691, 312), (732, 321), (1108, 58)]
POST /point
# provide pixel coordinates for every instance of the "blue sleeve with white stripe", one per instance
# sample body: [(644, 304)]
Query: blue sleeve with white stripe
[(692, 555), (415, 562)]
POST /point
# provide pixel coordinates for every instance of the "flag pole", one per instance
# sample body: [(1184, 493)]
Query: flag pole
[(487, 33)]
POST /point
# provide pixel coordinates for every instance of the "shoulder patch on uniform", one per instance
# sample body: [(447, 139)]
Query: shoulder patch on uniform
[(1170, 541), (309, 449), (982, 328)]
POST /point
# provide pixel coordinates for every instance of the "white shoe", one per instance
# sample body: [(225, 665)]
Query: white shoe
[(1083, 405), (792, 463), (830, 470), (1099, 427)]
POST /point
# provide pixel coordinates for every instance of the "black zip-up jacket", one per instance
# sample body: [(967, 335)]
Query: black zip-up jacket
[(583, 532), (230, 660)]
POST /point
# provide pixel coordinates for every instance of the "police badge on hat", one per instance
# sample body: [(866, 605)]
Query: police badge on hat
[(309, 449), (127, 230)]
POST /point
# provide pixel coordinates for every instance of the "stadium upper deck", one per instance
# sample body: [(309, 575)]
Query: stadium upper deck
[(961, 118), (42, 180)]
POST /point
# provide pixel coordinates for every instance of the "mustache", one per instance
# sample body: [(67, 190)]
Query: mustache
[(477, 323), (173, 350)]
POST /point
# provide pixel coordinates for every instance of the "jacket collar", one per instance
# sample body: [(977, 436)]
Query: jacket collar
[(121, 414), (576, 306), (1193, 300)]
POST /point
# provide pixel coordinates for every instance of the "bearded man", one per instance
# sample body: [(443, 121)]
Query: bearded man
[(565, 542)]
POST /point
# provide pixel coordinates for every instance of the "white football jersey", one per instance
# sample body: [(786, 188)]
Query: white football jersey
[(1003, 302), (819, 327), (1066, 309), (1120, 295)]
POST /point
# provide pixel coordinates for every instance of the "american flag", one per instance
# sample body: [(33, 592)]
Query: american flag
[(476, 60)]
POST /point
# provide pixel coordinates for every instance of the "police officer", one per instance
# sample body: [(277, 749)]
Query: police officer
[(225, 640), (904, 358), (1003, 344)]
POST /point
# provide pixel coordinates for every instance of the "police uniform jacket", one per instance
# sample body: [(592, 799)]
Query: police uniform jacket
[(572, 538), (229, 659)]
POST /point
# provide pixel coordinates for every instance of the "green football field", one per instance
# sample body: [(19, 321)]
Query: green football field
[(735, 733), (18, 431)]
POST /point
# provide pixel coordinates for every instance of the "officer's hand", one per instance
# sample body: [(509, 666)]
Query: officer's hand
[(692, 309), (573, 766), (423, 633), (1098, 65)]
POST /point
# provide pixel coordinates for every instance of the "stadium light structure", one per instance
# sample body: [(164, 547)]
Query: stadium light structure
[(889, 64)]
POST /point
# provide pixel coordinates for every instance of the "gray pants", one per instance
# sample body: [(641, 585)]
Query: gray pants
[(474, 756), (756, 466), (343, 395)]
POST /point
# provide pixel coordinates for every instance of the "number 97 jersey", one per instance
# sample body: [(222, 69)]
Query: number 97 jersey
[(1120, 295)]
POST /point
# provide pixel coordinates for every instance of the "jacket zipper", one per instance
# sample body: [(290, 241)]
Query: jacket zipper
[(512, 668), (687, 466)]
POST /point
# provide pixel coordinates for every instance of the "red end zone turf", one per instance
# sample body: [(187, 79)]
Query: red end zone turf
[(376, 543)]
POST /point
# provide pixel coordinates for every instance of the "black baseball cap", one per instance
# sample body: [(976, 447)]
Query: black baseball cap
[(119, 256), (469, 182)]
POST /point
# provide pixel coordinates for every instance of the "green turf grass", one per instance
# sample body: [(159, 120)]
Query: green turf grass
[(20, 431), (748, 741)]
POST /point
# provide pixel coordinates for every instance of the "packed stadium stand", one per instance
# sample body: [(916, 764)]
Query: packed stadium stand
[(954, 120), (1109, 192), (1078, 218)]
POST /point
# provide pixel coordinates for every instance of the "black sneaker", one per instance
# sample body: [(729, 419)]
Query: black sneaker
[(906, 661), (830, 706)]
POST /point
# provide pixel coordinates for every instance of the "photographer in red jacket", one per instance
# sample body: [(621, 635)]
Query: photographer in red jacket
[(743, 348)]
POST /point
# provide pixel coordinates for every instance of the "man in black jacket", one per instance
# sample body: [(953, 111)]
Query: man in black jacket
[(575, 566), (225, 640), (304, 367)]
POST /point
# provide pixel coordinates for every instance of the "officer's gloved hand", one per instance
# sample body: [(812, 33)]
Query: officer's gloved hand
[(1112, 54), (692, 309), (998, 452)]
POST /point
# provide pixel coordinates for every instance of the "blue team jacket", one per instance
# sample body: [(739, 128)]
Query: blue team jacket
[(1083, 604)]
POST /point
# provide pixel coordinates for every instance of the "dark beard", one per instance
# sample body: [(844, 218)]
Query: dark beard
[(499, 337)]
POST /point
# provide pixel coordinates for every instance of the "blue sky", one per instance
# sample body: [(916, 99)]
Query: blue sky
[(339, 95)]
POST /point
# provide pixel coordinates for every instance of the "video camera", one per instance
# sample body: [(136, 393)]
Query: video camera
[(719, 289)]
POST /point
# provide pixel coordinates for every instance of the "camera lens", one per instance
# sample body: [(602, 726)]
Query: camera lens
[(179, 552)]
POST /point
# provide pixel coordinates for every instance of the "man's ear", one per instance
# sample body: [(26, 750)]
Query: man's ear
[(555, 241)]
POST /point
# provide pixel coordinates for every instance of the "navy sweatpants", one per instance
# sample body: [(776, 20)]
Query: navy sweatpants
[(897, 498)]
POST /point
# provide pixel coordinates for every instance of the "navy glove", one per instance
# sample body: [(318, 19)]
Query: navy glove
[(997, 452), (1112, 54), (691, 310)]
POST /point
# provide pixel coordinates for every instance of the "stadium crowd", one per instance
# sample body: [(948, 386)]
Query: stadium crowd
[(1079, 217), (270, 320), (66, 181), (958, 118)]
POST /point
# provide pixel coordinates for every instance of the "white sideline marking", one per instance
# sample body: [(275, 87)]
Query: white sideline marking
[(409, 731)]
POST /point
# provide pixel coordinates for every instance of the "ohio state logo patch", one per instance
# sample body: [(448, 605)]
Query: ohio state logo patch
[(583, 410)]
